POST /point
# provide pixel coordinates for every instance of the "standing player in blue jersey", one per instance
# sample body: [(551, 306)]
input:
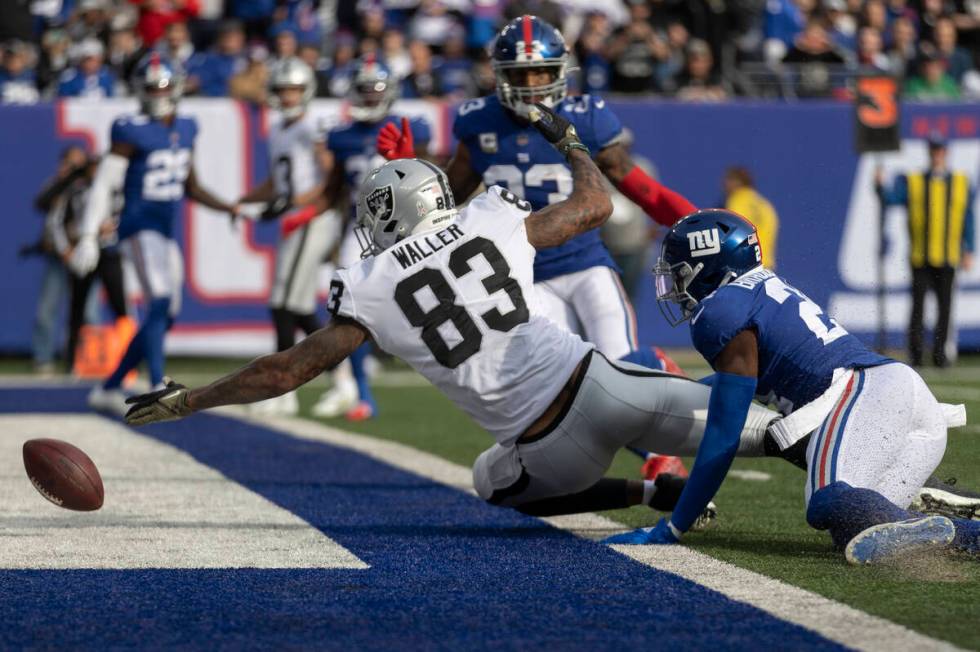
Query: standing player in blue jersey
[(578, 282), (150, 162), (868, 427), (351, 156)]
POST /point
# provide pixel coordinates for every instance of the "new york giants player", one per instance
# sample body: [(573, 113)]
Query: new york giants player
[(351, 155), (578, 281), (868, 427), (150, 162), (451, 292), (296, 152)]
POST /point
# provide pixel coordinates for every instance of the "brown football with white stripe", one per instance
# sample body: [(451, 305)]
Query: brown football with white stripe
[(63, 474)]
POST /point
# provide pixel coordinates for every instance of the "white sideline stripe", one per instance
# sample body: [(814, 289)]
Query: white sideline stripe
[(163, 509), (832, 620)]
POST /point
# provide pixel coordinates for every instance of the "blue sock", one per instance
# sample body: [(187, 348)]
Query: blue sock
[(157, 324), (357, 365), (846, 511), (133, 356), (645, 358), (967, 535)]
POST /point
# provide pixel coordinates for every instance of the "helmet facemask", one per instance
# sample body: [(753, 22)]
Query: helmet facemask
[(159, 92), (672, 283), (371, 97), (293, 111), (291, 73), (520, 98)]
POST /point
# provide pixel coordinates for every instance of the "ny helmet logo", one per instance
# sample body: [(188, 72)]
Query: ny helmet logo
[(704, 243)]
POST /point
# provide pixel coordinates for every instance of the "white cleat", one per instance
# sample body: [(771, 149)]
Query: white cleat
[(285, 405), (888, 541), (109, 401), (335, 402)]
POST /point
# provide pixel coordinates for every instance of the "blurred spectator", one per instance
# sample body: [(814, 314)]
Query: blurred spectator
[(484, 79), (671, 67), (900, 9), (782, 22), (875, 15), (546, 10), (902, 53), (634, 53), (453, 69), (54, 58), (125, 48), (16, 22), (590, 53), (483, 17), (251, 84), (54, 282), (89, 21), (372, 23), (843, 25), (741, 197), (958, 61), (89, 77), (17, 78), (176, 45), (155, 15), (214, 70), (422, 81), (255, 15), (870, 51), (699, 82), (284, 41), (931, 12), (931, 83), (432, 24), (309, 53), (395, 54), (813, 46), (335, 81), (302, 16)]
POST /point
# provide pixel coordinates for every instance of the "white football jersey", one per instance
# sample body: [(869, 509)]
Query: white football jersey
[(292, 155), (458, 304)]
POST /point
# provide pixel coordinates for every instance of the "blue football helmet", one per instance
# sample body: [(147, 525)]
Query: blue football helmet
[(373, 90), (159, 83), (703, 252), (529, 42)]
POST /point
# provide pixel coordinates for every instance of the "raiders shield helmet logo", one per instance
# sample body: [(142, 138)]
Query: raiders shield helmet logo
[(381, 203)]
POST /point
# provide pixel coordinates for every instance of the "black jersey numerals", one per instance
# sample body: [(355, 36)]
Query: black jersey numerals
[(447, 310)]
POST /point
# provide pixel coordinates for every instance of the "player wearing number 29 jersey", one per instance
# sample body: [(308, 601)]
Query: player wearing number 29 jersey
[(150, 161)]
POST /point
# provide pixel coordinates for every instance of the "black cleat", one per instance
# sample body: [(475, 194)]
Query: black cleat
[(946, 499)]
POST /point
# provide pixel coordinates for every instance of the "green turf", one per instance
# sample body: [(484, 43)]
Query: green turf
[(761, 525)]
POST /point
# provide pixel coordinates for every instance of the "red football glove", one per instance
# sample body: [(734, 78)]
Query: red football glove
[(296, 220), (394, 143)]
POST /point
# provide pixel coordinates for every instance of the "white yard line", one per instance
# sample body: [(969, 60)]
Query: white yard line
[(832, 620)]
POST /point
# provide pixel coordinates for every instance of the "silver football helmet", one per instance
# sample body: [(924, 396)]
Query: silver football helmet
[(401, 198), (291, 72), (159, 84)]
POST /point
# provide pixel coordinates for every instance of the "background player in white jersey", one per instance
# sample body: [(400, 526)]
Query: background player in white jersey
[(296, 152), (150, 162), (452, 294), (578, 281), (350, 156)]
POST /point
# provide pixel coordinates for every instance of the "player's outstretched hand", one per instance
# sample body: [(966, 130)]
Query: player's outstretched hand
[(279, 205), (657, 535), (394, 143), (556, 129), (167, 404), (85, 256)]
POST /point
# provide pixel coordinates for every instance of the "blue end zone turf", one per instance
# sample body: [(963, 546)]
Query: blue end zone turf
[(447, 570)]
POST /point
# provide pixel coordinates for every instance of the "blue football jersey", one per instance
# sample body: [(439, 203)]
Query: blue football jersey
[(153, 191), (507, 152), (799, 346), (354, 147)]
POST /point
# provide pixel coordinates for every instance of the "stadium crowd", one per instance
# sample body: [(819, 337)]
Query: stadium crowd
[(699, 50)]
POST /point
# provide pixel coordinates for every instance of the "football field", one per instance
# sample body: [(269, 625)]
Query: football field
[(227, 531)]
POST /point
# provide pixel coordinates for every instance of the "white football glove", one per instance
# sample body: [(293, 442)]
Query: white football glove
[(85, 257)]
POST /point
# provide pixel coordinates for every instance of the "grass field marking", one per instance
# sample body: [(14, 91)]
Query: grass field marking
[(832, 620), (751, 476), (163, 509)]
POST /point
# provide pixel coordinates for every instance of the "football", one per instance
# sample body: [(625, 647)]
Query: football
[(63, 474)]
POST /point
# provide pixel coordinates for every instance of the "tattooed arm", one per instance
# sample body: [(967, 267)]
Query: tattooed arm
[(276, 374), (586, 208), (265, 377)]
